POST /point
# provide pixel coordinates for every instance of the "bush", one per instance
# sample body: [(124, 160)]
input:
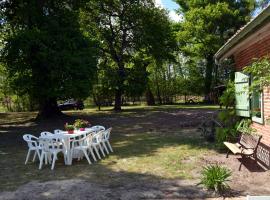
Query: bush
[(215, 177), (229, 131), (228, 97), (245, 126)]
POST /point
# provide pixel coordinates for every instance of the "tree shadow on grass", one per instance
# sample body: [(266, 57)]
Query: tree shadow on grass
[(96, 181)]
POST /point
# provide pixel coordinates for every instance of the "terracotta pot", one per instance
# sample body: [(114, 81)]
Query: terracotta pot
[(82, 129), (71, 132)]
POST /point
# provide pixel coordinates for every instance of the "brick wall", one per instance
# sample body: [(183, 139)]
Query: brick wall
[(243, 58), (256, 50)]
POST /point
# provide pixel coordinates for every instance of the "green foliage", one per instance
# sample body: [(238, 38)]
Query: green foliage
[(215, 177), (260, 72), (228, 117), (69, 127), (229, 130), (206, 27), (126, 29), (45, 53), (228, 97), (245, 126), (80, 123)]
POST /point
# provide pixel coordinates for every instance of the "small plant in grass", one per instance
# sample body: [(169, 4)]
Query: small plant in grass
[(215, 177)]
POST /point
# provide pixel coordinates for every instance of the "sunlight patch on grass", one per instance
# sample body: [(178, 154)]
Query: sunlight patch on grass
[(155, 156)]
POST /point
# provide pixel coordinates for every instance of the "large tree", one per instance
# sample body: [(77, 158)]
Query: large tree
[(45, 53), (126, 28), (207, 25)]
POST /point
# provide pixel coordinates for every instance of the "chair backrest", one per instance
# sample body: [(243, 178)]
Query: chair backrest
[(51, 143), (88, 139), (98, 128), (107, 133), (98, 137), (31, 140), (250, 141), (45, 133), (58, 131), (84, 140)]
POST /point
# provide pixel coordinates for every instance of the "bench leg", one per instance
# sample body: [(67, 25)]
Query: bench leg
[(240, 165), (227, 154)]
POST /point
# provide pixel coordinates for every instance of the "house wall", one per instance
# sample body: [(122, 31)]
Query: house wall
[(243, 58), (257, 50)]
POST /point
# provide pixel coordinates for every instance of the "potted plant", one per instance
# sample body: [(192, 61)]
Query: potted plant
[(69, 128), (81, 124)]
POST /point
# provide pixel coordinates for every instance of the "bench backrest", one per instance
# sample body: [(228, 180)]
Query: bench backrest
[(250, 141)]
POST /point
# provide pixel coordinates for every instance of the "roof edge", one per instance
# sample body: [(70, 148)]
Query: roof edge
[(243, 32)]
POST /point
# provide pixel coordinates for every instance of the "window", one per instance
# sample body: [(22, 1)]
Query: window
[(246, 106), (257, 107)]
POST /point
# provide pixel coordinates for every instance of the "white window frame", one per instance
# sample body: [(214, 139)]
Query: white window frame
[(259, 120)]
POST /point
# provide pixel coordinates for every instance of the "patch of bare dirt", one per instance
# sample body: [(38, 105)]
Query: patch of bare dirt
[(252, 179), (84, 190)]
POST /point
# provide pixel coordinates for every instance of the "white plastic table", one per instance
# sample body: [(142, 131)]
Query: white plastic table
[(67, 138)]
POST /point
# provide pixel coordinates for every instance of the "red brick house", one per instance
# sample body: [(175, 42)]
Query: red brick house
[(251, 41)]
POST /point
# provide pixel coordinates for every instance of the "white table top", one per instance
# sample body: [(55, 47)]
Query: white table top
[(70, 135)]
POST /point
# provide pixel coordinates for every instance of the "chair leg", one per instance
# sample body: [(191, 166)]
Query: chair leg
[(101, 150), (27, 157), (53, 162), (92, 153), (38, 153), (97, 152), (104, 144), (41, 160), (34, 158), (87, 157), (110, 147)]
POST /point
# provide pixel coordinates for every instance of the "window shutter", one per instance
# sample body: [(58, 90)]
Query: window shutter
[(242, 95)]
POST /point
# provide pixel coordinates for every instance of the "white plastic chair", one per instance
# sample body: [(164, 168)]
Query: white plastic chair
[(98, 128), (51, 146), (58, 131), (83, 144), (106, 138), (45, 133), (33, 145), (97, 143)]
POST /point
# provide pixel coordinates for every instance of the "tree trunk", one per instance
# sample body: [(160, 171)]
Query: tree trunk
[(149, 97), (119, 90), (118, 100), (49, 109), (208, 75)]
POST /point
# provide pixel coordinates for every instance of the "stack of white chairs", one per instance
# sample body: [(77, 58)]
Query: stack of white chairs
[(33, 145)]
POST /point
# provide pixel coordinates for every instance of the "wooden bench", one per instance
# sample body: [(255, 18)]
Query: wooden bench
[(246, 147)]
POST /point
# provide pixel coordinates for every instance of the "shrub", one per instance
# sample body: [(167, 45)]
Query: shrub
[(228, 97), (229, 131), (215, 177), (245, 126)]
